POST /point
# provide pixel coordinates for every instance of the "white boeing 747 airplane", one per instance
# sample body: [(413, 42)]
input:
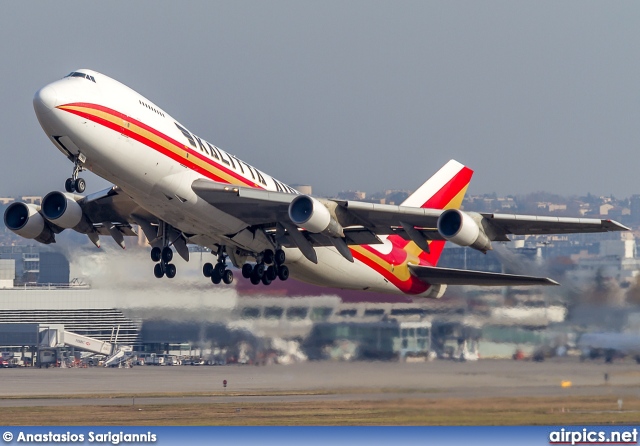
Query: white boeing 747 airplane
[(180, 189)]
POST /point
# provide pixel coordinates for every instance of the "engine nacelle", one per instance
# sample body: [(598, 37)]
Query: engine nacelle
[(26, 221), (463, 229), (62, 210), (310, 214)]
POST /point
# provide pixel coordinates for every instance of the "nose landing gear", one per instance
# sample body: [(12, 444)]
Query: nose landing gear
[(75, 184)]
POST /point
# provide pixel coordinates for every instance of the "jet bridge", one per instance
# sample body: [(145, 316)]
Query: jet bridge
[(55, 337)]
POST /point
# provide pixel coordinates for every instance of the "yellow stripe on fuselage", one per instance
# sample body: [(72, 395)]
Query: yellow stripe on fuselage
[(181, 151), (401, 272)]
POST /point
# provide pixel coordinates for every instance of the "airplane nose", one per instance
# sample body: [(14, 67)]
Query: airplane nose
[(45, 99)]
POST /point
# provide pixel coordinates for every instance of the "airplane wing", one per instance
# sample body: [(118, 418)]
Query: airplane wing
[(260, 207), (253, 206), (534, 224), (109, 212), (450, 276), (112, 205)]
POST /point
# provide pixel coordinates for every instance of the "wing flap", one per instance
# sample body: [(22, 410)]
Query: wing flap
[(124, 228), (385, 217), (111, 213), (352, 236), (111, 205), (450, 276)]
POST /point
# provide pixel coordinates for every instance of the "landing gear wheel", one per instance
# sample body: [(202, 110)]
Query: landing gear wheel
[(220, 268), (267, 256), (215, 277), (271, 273), (158, 271), (259, 270), (266, 280), (247, 269), (167, 254), (68, 185), (170, 270), (255, 279), (156, 254), (283, 272), (207, 269), (227, 276), (279, 257), (80, 185)]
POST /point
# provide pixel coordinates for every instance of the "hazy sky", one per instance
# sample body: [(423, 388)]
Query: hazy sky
[(368, 95)]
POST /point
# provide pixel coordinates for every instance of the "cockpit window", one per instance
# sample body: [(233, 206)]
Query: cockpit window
[(78, 74)]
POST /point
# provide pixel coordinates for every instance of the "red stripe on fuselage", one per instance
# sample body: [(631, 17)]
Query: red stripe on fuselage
[(154, 145), (409, 286)]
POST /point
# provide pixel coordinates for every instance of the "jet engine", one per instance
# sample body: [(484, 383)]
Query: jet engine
[(63, 210), (26, 221), (310, 214), (464, 229)]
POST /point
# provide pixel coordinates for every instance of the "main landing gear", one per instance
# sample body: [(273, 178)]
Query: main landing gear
[(270, 266), (75, 184), (164, 257), (267, 274), (219, 272)]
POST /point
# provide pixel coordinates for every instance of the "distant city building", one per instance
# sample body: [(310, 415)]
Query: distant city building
[(605, 208), (35, 264), (507, 203), (635, 208), (395, 196), (352, 195), (32, 199), (54, 268), (616, 259), (557, 207), (7, 272)]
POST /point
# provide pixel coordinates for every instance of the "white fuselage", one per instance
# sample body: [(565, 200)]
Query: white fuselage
[(159, 177)]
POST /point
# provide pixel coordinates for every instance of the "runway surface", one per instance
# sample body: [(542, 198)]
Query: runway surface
[(313, 381)]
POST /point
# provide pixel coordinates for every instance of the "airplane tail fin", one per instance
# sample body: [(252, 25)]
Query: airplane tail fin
[(444, 190)]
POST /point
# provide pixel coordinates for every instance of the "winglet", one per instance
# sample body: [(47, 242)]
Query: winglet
[(612, 225)]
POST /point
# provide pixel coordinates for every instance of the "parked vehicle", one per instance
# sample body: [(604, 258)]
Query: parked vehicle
[(16, 362), (193, 361), (172, 360)]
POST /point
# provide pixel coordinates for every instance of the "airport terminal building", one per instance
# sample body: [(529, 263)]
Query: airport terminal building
[(189, 316)]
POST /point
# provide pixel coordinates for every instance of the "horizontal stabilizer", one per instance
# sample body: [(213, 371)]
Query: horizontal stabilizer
[(450, 276)]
